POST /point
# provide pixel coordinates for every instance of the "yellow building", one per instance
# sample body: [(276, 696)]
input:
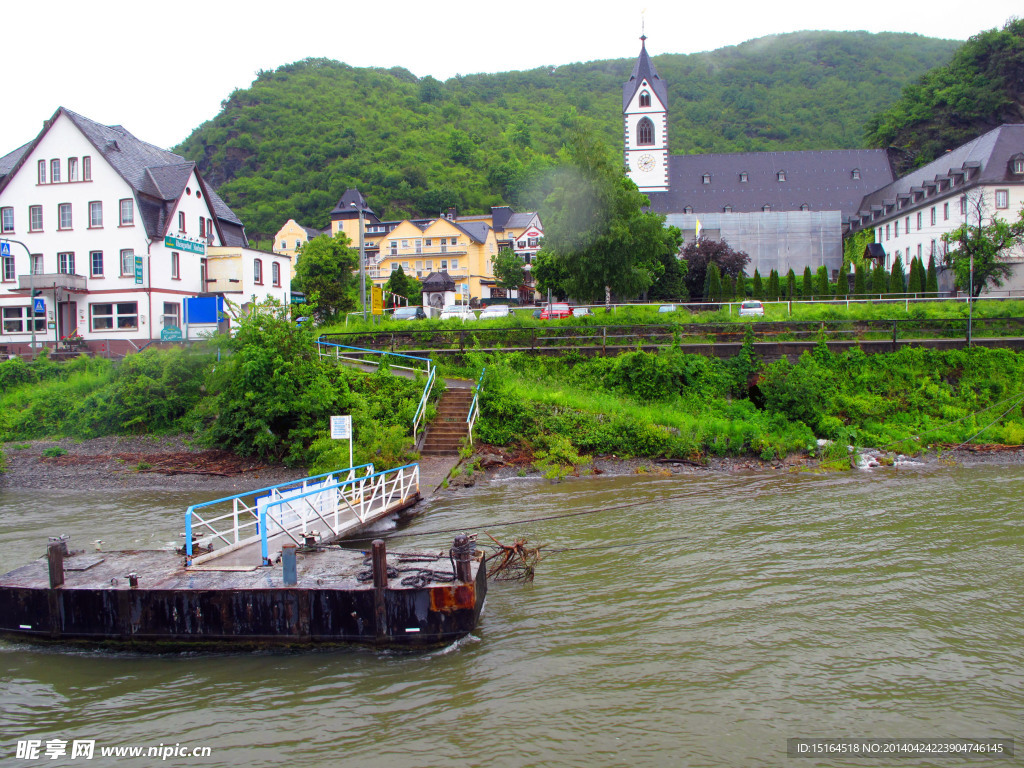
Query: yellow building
[(290, 238), (462, 246)]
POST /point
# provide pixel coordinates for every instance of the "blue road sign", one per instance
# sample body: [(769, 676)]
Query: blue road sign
[(39, 306), (5, 249)]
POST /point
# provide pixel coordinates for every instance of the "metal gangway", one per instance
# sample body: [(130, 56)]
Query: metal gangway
[(324, 507)]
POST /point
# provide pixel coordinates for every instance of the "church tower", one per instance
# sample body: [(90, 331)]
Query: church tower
[(645, 118)]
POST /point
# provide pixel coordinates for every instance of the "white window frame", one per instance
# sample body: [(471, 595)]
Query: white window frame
[(1002, 199), (35, 209), (87, 168), (128, 262), (96, 263), (7, 219), (66, 263), (65, 217), (55, 171), (19, 320), (257, 271), (9, 272), (96, 214), (114, 316), (126, 212), (175, 265), (275, 274), (41, 172), (72, 169)]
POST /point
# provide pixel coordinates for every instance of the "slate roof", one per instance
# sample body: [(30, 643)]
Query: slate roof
[(352, 196), (500, 214), (436, 282), (157, 176), (475, 229), (644, 69), (984, 160), (520, 220), (822, 180)]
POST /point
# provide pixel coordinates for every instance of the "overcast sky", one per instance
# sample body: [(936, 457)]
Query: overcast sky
[(160, 69)]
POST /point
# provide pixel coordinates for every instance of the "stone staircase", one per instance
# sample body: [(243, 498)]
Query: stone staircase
[(446, 434)]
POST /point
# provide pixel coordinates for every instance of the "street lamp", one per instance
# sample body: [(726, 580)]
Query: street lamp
[(362, 261)]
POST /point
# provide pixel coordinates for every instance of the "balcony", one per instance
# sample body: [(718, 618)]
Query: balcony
[(51, 280)]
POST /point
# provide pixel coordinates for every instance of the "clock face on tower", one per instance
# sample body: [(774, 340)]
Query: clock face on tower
[(646, 163)]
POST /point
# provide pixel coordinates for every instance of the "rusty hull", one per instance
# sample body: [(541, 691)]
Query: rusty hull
[(174, 607)]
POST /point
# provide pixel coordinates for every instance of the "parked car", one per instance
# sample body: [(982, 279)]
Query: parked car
[(555, 312), (537, 314), (459, 311), (581, 311), (410, 313), (752, 308), (495, 310), (666, 308)]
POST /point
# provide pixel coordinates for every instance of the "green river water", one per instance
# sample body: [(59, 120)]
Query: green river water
[(716, 617)]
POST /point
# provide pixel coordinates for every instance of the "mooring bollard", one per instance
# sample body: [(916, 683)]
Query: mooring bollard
[(461, 549), (291, 575), (380, 563), (55, 557), (133, 580)]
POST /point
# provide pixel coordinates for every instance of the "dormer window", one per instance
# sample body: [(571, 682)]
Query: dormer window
[(645, 99), (805, 207), (727, 209), (688, 209), (781, 175), (645, 132), (766, 208), (705, 179), (744, 178), (1017, 164), (855, 173)]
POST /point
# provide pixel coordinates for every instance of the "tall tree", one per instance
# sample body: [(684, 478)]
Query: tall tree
[(758, 290), (325, 271), (985, 245), (774, 289), (509, 269), (596, 226), (671, 286), (821, 286), (931, 284), (914, 280), (879, 279), (404, 285), (860, 283), (790, 285), (807, 284), (897, 278)]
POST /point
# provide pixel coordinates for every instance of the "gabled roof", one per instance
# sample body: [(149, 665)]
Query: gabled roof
[(984, 160), (520, 220), (821, 180), (644, 70), (477, 230), (157, 176), (352, 202)]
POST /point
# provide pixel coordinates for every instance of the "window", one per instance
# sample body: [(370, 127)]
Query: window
[(172, 314), (202, 227), (781, 175), (963, 205), (209, 232), (419, 245), (805, 207), (430, 264), (64, 216), (919, 251), (8, 269), (919, 218), (107, 317), (298, 243), (41, 178), (96, 263), (18, 320), (275, 274), (533, 241), (128, 263), (645, 132), (727, 209), (521, 244), (688, 209), (744, 178), (405, 244), (7, 219), (394, 247), (54, 171), (72, 169), (906, 225), (181, 221), (645, 99), (127, 213), (284, 245), (455, 263), (257, 271), (394, 266), (453, 240), (896, 227), (202, 274), (766, 208), (444, 265), (86, 168), (1002, 198), (705, 179), (36, 264), (945, 211), (66, 263), (886, 231), (932, 252), (1018, 165), (933, 215), (419, 266), (855, 173), (429, 242), (175, 265), (95, 214)]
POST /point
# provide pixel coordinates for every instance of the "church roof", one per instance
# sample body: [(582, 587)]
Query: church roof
[(436, 282), (826, 180), (644, 70)]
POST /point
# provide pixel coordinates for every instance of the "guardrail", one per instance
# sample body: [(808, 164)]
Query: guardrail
[(338, 506), (474, 407), (240, 526), (421, 409)]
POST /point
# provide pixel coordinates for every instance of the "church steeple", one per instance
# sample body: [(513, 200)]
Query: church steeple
[(645, 124)]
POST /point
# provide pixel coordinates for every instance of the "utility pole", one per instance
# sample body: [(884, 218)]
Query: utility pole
[(362, 262)]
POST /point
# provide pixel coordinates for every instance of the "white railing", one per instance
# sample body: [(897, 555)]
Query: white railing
[(219, 533), (340, 507), (421, 409), (474, 408)]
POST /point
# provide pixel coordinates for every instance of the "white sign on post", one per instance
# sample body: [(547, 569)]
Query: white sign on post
[(341, 429)]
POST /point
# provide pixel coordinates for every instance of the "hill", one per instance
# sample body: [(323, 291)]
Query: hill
[(981, 88), (289, 145)]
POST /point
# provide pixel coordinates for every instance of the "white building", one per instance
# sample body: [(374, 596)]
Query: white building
[(116, 234), (984, 176)]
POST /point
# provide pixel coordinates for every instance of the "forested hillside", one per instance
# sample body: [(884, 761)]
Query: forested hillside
[(289, 145), (981, 88)]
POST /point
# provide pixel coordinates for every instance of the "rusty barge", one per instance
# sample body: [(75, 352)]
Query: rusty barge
[(267, 573)]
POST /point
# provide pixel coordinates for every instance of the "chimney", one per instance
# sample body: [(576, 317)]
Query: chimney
[(452, 214)]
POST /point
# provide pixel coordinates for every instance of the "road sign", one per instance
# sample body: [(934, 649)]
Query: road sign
[(341, 427), (5, 249), (377, 300), (39, 306)]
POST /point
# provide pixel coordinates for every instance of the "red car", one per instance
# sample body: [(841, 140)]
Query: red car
[(555, 312)]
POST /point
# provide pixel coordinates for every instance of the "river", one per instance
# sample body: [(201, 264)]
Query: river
[(703, 625)]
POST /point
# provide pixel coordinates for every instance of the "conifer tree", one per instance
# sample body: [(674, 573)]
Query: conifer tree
[(879, 279), (773, 286), (758, 289), (931, 283), (898, 278), (914, 283), (860, 281), (821, 281), (742, 287), (729, 287), (922, 276), (713, 291), (790, 285), (807, 285)]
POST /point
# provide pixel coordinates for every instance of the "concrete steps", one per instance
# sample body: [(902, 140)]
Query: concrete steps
[(448, 431)]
